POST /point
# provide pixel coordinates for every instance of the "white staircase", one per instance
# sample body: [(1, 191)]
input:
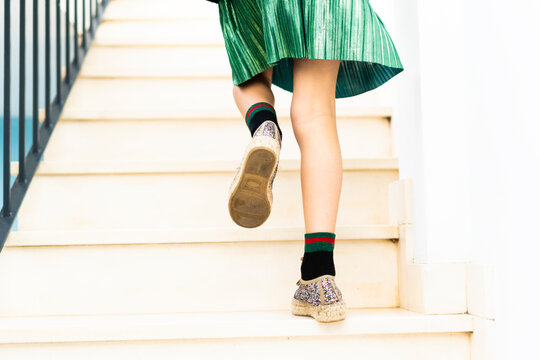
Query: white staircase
[(125, 248)]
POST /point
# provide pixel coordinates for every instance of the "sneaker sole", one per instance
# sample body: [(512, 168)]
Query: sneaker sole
[(321, 313), (249, 205)]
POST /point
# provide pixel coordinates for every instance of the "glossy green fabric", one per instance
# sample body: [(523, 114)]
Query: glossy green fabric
[(263, 33)]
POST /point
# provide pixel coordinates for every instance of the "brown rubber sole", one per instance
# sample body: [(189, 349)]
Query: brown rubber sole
[(249, 205)]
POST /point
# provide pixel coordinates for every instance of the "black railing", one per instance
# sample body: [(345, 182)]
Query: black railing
[(28, 162)]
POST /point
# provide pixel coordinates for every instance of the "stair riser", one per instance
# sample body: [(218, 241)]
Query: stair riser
[(184, 277), (180, 140), (177, 98), (159, 10), (156, 62), (187, 32), (158, 201), (373, 347)]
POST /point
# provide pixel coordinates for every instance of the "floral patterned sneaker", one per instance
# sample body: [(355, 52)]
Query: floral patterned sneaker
[(319, 298), (250, 194)]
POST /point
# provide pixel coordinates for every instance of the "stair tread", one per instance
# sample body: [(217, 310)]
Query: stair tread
[(187, 235), (222, 325)]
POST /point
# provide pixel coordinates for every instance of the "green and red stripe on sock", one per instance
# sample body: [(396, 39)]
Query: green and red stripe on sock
[(256, 108), (319, 241), (259, 113), (318, 256)]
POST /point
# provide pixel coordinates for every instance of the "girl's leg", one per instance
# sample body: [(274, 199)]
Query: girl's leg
[(313, 116), (257, 89)]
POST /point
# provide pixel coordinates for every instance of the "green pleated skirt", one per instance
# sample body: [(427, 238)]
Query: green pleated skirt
[(260, 34)]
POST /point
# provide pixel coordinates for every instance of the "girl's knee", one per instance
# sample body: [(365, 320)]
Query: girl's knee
[(309, 114), (300, 118)]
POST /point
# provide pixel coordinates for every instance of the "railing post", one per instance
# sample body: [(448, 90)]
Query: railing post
[(58, 56), (68, 56), (35, 78), (84, 45), (91, 15), (22, 91), (6, 211), (47, 63), (76, 32)]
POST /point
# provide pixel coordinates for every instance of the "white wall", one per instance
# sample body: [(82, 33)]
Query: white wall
[(431, 123), (468, 134)]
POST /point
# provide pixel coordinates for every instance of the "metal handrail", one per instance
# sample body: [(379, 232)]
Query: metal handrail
[(28, 163)]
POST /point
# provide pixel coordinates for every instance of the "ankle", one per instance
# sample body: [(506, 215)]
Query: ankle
[(318, 256), (258, 113)]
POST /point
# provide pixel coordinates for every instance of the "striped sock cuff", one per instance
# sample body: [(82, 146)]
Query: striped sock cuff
[(319, 241), (258, 107)]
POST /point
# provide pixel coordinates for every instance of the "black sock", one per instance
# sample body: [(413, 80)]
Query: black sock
[(259, 113), (318, 255)]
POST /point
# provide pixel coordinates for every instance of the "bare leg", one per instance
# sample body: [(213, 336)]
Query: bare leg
[(257, 89), (313, 116)]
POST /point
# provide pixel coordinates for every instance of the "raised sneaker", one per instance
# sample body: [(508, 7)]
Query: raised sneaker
[(250, 194)]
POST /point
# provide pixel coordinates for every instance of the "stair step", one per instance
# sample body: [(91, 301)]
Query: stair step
[(159, 10), (198, 140), (182, 98), (379, 347), (186, 32), (179, 270), (228, 325), (174, 197), (152, 61)]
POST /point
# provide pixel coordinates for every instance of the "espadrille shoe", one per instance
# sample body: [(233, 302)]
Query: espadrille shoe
[(250, 194), (319, 298)]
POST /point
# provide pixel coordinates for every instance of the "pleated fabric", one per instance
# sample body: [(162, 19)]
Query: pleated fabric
[(260, 34)]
